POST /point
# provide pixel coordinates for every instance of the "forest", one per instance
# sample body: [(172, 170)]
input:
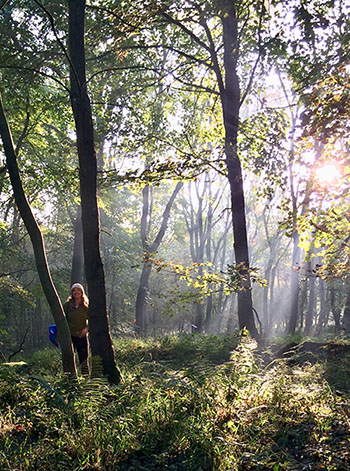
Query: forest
[(187, 162)]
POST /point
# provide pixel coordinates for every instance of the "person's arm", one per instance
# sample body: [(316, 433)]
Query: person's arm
[(84, 332), (86, 329)]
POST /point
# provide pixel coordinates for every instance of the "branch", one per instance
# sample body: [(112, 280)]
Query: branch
[(112, 13), (170, 48), (4, 3), (165, 218), (30, 69), (116, 69), (24, 130), (197, 87), (60, 43), (20, 346), (258, 58), (15, 272), (186, 30), (214, 58)]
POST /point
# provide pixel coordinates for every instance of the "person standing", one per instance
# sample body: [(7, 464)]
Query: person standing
[(76, 309)]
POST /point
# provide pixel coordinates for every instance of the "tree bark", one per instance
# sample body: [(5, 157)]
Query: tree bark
[(141, 298), (38, 247), (100, 339), (77, 271), (230, 98)]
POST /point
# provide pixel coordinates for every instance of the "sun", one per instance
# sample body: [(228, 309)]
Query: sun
[(327, 174)]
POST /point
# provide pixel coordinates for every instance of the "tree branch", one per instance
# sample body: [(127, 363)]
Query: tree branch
[(30, 69), (20, 346), (60, 43), (244, 96)]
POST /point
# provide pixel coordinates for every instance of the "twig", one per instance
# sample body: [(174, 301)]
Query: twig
[(20, 347)]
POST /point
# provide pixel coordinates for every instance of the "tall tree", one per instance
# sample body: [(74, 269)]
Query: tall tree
[(38, 247), (100, 339), (236, 29)]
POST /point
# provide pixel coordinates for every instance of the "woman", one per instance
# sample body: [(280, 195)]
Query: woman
[(76, 309)]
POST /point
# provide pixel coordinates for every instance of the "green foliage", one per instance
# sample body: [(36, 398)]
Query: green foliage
[(184, 403), (262, 146), (197, 281)]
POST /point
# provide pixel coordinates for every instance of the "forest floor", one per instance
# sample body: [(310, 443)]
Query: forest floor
[(185, 403)]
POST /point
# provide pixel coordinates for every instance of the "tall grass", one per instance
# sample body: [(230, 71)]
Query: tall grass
[(185, 403)]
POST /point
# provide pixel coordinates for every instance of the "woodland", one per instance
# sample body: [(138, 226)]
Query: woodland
[(188, 162)]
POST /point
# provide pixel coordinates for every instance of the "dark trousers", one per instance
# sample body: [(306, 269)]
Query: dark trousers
[(81, 347)]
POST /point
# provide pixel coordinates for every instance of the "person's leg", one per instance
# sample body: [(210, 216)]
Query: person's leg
[(81, 346)]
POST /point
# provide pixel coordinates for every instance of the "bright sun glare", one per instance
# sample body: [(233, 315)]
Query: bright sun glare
[(327, 174)]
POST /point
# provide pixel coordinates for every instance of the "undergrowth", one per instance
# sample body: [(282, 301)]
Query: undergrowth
[(185, 403)]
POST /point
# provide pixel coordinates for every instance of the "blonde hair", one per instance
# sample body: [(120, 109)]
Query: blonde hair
[(84, 298)]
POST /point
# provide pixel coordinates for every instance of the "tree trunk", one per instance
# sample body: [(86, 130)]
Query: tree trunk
[(221, 304), (208, 314), (78, 250), (141, 298), (231, 317), (209, 307), (311, 305), (100, 338), (38, 247), (294, 301), (346, 314), (150, 249), (266, 320), (323, 316), (198, 318), (230, 98), (336, 311)]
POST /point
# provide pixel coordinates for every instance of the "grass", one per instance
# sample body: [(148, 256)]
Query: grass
[(185, 403)]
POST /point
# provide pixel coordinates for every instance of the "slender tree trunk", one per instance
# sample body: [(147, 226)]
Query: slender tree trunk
[(311, 306), (208, 314), (336, 311), (323, 316), (78, 250), (149, 249), (230, 97), (346, 314), (294, 301), (221, 303), (271, 299), (198, 311), (141, 298), (198, 318), (100, 339), (194, 223), (209, 307), (38, 247), (266, 323), (231, 317)]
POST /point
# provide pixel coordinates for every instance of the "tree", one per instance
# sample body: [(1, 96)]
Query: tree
[(149, 249), (203, 46), (200, 209), (38, 246), (100, 339)]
